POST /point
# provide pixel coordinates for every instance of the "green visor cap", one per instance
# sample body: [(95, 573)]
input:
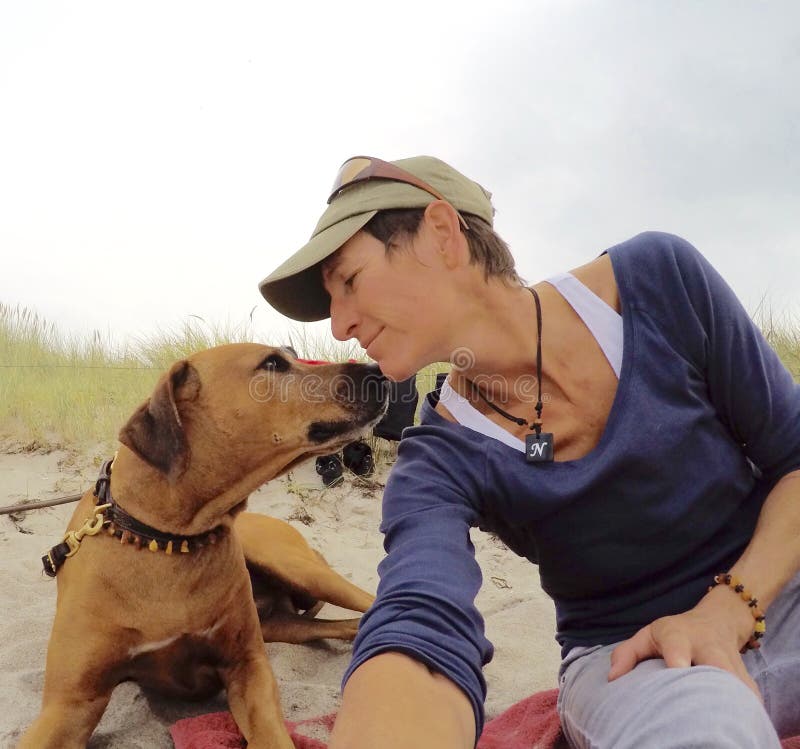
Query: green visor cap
[(295, 288)]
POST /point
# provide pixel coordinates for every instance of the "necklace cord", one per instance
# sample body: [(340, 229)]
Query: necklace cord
[(536, 424), (517, 419)]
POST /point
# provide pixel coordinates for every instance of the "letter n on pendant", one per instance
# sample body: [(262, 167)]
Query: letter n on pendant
[(539, 448)]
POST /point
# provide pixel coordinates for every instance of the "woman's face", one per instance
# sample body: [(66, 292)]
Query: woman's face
[(391, 303)]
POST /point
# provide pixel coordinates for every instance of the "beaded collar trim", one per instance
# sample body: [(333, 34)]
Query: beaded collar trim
[(112, 519)]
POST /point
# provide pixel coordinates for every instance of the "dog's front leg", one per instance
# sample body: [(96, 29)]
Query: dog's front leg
[(255, 702), (65, 722), (77, 681)]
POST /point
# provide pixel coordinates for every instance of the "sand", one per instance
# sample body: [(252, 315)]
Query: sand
[(342, 523)]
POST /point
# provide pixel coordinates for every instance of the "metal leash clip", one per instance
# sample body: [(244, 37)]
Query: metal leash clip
[(91, 527)]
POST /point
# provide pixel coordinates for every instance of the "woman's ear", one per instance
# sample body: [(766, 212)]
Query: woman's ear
[(442, 222)]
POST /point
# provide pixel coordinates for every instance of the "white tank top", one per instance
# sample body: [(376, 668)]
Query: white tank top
[(605, 324)]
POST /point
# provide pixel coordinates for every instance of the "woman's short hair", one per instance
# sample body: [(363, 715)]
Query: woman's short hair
[(486, 248)]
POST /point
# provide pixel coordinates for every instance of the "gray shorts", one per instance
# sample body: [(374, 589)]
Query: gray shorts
[(655, 707)]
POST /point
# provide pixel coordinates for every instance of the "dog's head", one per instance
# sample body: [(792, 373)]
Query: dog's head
[(251, 410)]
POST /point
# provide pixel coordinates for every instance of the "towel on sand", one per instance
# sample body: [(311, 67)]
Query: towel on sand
[(529, 724)]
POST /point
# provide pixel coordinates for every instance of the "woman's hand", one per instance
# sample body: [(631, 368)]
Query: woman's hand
[(710, 634)]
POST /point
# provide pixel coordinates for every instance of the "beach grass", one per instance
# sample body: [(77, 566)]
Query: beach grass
[(78, 391), (783, 334), (58, 390)]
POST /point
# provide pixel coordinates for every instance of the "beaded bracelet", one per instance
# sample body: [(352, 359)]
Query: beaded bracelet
[(752, 602)]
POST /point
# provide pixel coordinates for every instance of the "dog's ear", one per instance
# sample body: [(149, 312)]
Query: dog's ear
[(156, 431)]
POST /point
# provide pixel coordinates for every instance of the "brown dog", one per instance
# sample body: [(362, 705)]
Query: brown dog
[(168, 601)]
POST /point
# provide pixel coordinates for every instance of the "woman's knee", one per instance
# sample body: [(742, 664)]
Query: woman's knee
[(655, 706)]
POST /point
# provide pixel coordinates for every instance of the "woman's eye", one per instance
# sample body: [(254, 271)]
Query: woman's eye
[(349, 282), (275, 363)]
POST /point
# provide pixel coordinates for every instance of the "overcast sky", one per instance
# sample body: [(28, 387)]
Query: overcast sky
[(157, 159)]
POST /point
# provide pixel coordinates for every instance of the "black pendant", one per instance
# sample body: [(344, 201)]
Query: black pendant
[(539, 448)]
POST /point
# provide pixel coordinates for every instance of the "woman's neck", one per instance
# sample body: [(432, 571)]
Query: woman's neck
[(495, 345), (497, 332)]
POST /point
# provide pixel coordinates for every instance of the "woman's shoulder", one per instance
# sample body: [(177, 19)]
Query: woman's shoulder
[(655, 268), (436, 466), (598, 276), (651, 249), (439, 437), (440, 451)]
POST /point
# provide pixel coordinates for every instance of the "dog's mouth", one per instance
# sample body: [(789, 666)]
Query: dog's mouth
[(320, 432), (324, 431), (328, 436)]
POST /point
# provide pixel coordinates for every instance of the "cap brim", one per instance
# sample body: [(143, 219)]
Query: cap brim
[(295, 288)]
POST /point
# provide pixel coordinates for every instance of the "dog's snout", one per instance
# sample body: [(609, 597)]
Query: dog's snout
[(365, 383), (376, 380)]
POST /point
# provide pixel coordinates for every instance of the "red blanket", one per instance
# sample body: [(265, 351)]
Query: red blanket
[(530, 724)]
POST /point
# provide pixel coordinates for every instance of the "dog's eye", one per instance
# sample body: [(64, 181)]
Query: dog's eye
[(275, 363)]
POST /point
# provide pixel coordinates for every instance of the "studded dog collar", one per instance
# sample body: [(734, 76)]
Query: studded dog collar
[(108, 516)]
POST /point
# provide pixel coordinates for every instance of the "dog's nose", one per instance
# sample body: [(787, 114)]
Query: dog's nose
[(371, 385), (375, 384)]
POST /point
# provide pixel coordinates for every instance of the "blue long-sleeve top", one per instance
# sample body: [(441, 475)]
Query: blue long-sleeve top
[(704, 422)]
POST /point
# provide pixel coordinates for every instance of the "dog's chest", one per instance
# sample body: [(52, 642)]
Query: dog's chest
[(184, 665), (191, 639)]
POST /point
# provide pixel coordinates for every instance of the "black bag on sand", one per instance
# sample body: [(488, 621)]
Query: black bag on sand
[(403, 397), (357, 457)]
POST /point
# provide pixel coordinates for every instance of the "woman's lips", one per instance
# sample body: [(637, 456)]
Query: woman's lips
[(370, 344)]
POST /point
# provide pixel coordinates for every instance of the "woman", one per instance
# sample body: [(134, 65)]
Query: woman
[(624, 426)]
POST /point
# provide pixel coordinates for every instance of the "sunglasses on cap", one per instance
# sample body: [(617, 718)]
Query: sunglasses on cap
[(363, 168)]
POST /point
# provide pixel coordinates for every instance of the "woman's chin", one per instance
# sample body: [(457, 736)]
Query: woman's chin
[(394, 371)]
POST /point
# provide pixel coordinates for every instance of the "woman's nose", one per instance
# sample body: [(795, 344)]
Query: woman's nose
[(343, 319)]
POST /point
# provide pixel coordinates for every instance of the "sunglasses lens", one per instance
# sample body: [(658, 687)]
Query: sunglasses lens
[(350, 171), (362, 168)]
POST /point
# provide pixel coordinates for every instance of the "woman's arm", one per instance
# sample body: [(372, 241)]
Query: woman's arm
[(394, 702), (415, 679), (772, 558), (713, 632), (757, 400)]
